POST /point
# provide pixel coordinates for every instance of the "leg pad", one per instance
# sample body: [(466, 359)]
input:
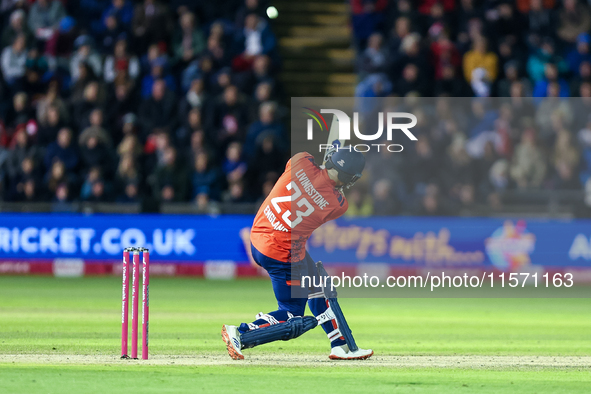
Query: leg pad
[(290, 329)]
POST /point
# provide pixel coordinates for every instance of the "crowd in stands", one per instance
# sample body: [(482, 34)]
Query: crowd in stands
[(116, 100), (535, 49)]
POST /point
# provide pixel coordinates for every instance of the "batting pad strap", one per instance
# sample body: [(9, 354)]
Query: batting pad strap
[(334, 335), (285, 331), (326, 316)]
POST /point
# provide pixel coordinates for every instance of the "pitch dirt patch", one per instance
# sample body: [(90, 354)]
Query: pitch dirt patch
[(279, 360)]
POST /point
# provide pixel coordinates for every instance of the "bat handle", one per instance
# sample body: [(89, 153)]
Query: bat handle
[(329, 292)]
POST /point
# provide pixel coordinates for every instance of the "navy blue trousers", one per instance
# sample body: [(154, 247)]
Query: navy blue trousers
[(291, 297)]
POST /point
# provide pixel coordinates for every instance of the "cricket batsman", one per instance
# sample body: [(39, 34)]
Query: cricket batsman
[(305, 197)]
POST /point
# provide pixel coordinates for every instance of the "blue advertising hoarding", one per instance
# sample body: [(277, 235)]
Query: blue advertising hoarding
[(96, 237), (398, 241), (506, 244)]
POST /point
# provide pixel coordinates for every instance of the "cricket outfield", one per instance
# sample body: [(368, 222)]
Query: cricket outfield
[(63, 335)]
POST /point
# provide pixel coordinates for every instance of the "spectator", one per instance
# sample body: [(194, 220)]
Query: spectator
[(234, 166), (384, 202), (580, 54), (360, 203), (459, 171), (121, 10), (504, 23), (229, 118), (480, 57), (13, 61), (410, 82), (198, 145), (266, 125), (22, 150), (61, 45), (551, 113), (62, 194), (130, 194), (23, 170), (541, 21), (580, 80), (57, 175), (255, 39), (130, 147), (169, 182), (86, 76), (100, 192), (62, 149), (565, 177), (93, 98), (260, 72), (94, 175), (195, 98), (536, 64), (499, 175), (20, 113), (28, 191), (431, 203), (367, 18), (402, 28), (411, 52), (450, 83), (36, 68), (551, 76), (72, 76), (267, 162), (528, 168), (158, 111), (206, 178), (44, 18), (151, 22), (511, 71), (444, 53), (122, 103), (85, 54), (574, 19), (565, 152), (113, 31), (236, 193), (157, 72), (121, 62), (16, 27), (192, 124), (374, 58), (248, 7), (95, 149), (188, 41), (47, 133)]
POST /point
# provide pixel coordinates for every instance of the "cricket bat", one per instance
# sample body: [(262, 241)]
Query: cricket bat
[(333, 137)]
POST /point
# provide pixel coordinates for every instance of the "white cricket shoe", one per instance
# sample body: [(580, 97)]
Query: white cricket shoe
[(231, 336), (343, 353)]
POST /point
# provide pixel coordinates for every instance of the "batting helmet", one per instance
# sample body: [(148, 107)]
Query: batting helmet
[(348, 163)]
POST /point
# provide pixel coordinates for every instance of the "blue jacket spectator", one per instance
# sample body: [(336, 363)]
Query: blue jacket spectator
[(580, 54), (120, 9), (157, 72), (206, 178), (63, 149), (550, 76), (265, 126), (255, 39)]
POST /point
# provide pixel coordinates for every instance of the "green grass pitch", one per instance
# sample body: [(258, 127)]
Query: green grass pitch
[(63, 336)]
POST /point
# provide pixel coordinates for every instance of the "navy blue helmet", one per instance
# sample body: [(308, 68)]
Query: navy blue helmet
[(348, 163)]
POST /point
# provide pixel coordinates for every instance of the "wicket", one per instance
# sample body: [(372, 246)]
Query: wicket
[(135, 253)]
